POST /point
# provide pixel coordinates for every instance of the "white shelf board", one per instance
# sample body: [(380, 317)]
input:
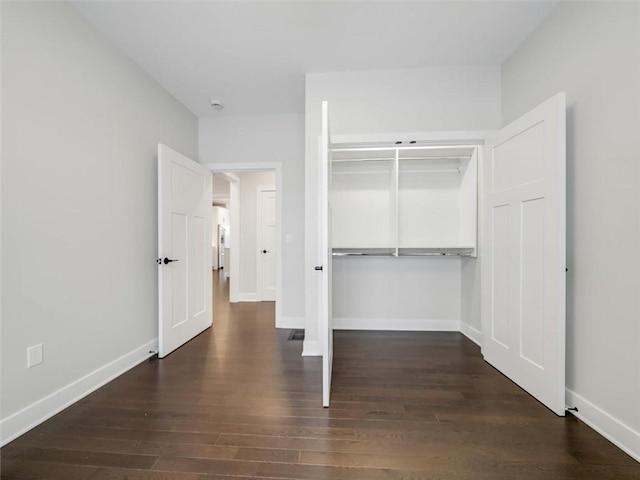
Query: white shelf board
[(434, 251), (364, 252), (402, 251)]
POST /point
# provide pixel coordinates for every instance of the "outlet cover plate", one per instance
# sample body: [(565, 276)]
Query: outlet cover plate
[(34, 355)]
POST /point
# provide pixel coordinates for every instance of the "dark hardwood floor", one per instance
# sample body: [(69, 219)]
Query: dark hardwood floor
[(239, 402)]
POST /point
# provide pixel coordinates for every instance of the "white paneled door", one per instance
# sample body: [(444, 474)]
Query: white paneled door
[(267, 244), (324, 266), (184, 249), (523, 253)]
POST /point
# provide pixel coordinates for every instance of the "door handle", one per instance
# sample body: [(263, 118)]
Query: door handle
[(318, 268), (168, 260), (264, 251)]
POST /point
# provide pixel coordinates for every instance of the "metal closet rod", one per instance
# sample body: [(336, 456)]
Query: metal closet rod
[(372, 159), (442, 170), (413, 147)]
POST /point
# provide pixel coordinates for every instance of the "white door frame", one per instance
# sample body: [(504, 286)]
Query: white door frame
[(233, 222), (259, 240)]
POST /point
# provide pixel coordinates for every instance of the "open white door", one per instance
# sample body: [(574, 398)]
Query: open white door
[(326, 320), (523, 253), (184, 249)]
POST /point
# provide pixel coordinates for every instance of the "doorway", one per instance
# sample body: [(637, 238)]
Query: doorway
[(247, 266)]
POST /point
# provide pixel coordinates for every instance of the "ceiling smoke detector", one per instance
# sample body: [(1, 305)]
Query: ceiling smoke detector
[(217, 104)]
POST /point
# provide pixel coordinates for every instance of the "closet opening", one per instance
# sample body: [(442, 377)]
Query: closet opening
[(403, 221), (399, 229)]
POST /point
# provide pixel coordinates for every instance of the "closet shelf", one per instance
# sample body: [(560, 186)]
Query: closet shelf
[(364, 252), (404, 252), (435, 251), (364, 159), (397, 198), (440, 170), (368, 172)]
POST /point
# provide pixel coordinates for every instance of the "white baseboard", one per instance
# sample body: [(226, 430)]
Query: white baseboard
[(311, 349), (402, 324), (248, 297), (471, 333), (290, 322), (29, 417), (618, 433)]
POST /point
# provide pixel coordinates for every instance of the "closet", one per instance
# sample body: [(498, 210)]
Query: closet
[(397, 219), (413, 200)]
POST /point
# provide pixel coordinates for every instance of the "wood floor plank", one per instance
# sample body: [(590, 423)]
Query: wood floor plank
[(131, 474), (265, 441), (144, 435), (268, 455), (276, 430), (207, 466), (86, 457), (115, 445), (239, 402), (27, 470)]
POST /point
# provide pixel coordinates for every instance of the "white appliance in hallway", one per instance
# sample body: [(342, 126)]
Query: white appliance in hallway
[(223, 245)]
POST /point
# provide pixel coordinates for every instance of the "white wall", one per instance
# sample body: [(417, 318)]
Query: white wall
[(269, 139), (221, 192), (592, 52), (412, 294), (384, 102), (249, 183), (81, 124)]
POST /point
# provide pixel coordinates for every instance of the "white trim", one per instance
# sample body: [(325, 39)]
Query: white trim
[(233, 267), (618, 433), (291, 322), (397, 324), (2, 430), (258, 245), (29, 417), (457, 137), (248, 297), (471, 333), (311, 348), (253, 167)]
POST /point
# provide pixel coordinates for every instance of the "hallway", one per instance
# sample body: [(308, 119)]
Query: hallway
[(239, 402)]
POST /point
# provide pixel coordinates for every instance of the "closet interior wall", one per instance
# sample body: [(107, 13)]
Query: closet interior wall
[(403, 216)]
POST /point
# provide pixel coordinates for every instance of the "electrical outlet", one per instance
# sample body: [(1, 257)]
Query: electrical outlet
[(34, 355)]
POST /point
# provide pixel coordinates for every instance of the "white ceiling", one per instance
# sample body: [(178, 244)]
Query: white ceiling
[(253, 55)]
